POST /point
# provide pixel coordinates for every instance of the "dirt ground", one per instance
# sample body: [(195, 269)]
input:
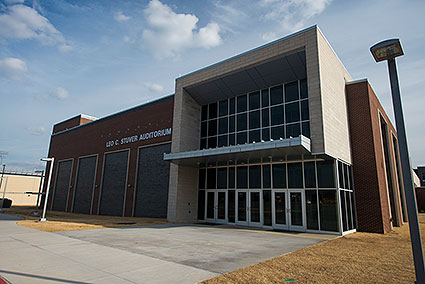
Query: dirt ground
[(355, 258), (62, 221)]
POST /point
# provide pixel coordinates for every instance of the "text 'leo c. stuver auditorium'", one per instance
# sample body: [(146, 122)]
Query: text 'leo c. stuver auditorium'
[(279, 137)]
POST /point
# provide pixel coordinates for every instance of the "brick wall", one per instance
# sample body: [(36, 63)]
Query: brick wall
[(92, 139), (370, 180)]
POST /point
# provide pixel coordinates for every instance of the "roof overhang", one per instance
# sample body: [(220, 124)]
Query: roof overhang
[(284, 69), (285, 147)]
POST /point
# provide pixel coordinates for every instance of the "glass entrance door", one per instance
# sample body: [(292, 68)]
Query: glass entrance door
[(242, 207), (249, 208), (296, 210), (255, 208), (280, 213), (216, 206)]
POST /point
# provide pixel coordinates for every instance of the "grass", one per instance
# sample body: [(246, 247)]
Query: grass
[(64, 221), (355, 258)]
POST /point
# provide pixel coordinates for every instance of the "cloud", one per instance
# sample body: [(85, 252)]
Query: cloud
[(120, 17), (23, 22), (291, 14), (12, 68), (169, 32), (60, 93), (37, 130), (154, 87), (13, 1)]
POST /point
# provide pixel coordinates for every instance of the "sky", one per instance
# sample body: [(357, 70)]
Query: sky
[(60, 58)]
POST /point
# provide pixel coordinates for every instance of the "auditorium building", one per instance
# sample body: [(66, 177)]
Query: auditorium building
[(279, 137)]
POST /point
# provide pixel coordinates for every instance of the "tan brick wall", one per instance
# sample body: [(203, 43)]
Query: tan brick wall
[(16, 187)]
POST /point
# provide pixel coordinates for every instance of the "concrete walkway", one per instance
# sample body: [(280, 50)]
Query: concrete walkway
[(32, 256)]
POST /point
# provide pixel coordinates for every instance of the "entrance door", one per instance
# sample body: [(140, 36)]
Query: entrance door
[(296, 210), (279, 217), (249, 208), (216, 206), (242, 207)]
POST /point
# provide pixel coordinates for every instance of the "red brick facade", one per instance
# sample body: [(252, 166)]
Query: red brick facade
[(369, 166), (79, 137)]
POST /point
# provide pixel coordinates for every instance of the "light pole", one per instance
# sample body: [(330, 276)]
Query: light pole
[(51, 160), (389, 50)]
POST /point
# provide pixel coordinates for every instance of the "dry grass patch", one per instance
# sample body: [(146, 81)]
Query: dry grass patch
[(64, 221), (355, 258)]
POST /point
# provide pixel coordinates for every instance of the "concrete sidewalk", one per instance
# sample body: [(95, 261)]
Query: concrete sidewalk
[(32, 256)]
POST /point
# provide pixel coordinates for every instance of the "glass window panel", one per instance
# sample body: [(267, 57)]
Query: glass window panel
[(328, 210), (343, 211), (242, 122), (280, 208), (201, 205), (277, 115), (296, 208), (292, 112), (306, 129), (353, 209), (210, 205), (232, 177), (255, 177), (242, 202), (222, 178), (351, 177), (254, 136), (340, 175), (303, 89), (293, 130), (242, 138), (266, 176), (291, 92), (277, 132), (211, 178), (279, 175), (295, 175), (265, 134), (349, 213), (222, 141), (265, 98), (201, 180), (223, 125), (203, 143), (267, 207), (223, 108), (231, 206), (212, 142), (232, 106), (276, 95), (346, 180), (325, 174), (232, 140), (254, 119), (254, 100), (311, 208), (242, 177), (242, 103), (232, 123), (310, 174), (204, 112), (204, 128), (265, 117), (212, 110), (255, 206), (221, 205), (212, 127), (304, 110)]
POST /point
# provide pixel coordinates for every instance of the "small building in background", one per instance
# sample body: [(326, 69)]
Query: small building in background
[(21, 188)]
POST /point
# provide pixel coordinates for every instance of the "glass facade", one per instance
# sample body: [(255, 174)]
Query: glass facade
[(277, 112), (306, 195)]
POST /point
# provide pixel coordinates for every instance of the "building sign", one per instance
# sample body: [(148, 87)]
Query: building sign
[(141, 137)]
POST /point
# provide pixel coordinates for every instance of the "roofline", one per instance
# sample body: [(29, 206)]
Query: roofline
[(88, 116), (357, 81), (250, 51), (147, 104)]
